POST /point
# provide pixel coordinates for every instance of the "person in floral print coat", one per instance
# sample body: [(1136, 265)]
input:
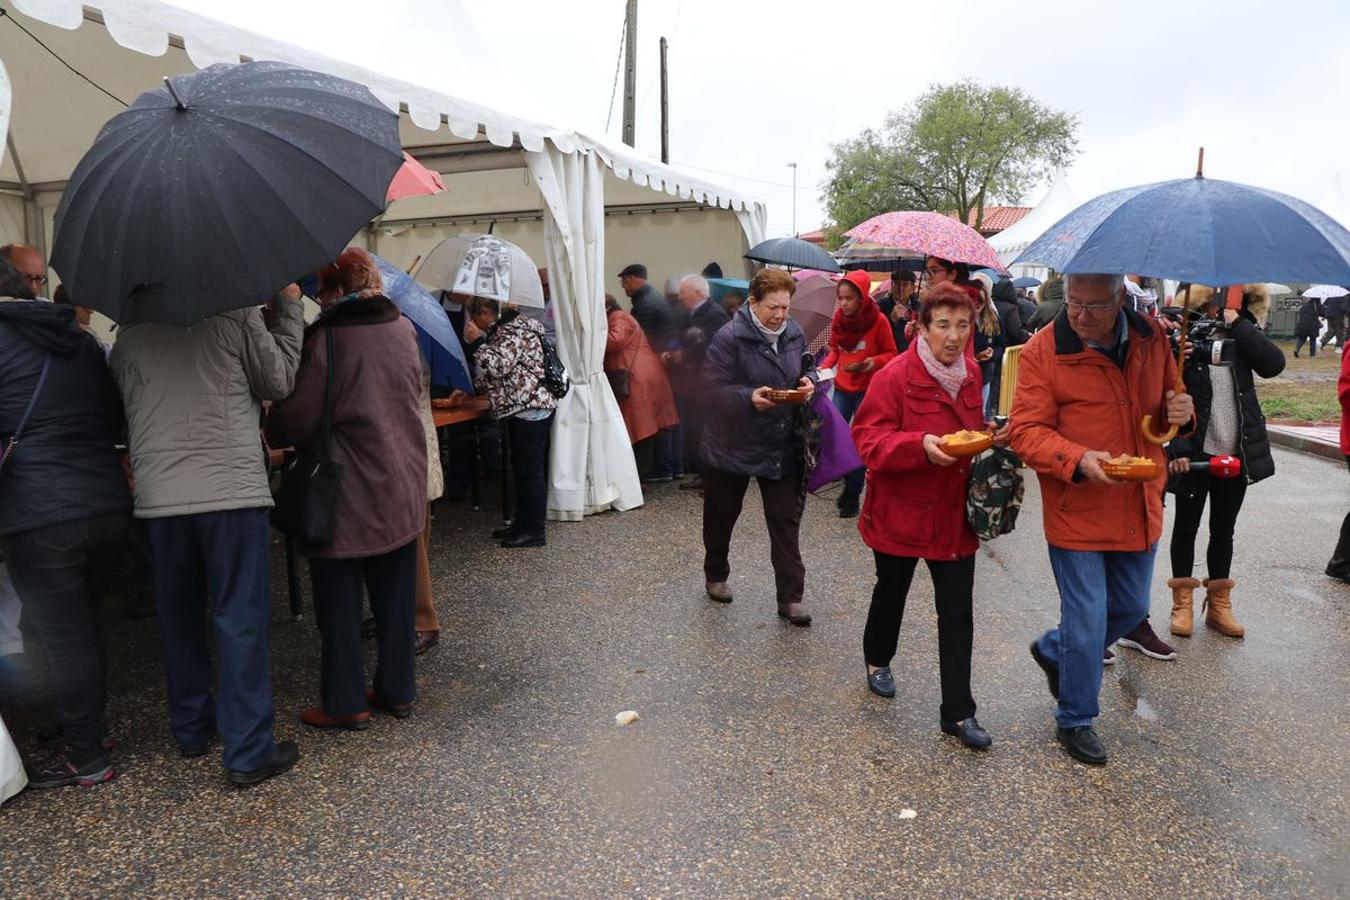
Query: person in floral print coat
[(508, 359)]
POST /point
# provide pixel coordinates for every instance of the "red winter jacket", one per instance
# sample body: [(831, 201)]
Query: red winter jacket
[(912, 507), (1343, 394)]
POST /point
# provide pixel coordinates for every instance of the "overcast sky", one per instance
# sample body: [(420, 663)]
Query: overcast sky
[(757, 84)]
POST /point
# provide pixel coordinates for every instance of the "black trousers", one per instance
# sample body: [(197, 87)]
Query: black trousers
[(953, 585), (783, 499), (529, 461), (1225, 501), (1339, 567), (391, 579), (58, 572)]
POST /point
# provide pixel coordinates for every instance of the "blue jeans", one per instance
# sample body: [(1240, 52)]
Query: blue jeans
[(847, 403), (226, 555), (1102, 595)]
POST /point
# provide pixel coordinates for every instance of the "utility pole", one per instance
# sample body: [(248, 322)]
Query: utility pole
[(793, 167), (630, 76), (665, 105)]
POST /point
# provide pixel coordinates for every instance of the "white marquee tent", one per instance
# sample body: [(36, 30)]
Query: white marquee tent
[(1059, 201), (69, 66)]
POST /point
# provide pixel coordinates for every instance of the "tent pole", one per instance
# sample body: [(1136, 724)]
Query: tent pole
[(34, 229)]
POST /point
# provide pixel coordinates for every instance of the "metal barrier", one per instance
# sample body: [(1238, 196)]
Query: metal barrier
[(1008, 384)]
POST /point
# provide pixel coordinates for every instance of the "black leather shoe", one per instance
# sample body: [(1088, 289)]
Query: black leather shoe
[(523, 540), (969, 732), (284, 755), (506, 531), (1082, 744), (1051, 670), (881, 682), (795, 613)]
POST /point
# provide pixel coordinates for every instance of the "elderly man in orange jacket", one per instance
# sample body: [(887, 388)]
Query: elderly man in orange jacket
[(1084, 385)]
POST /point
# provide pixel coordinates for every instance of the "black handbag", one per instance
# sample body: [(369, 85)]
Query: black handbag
[(306, 502), (619, 383), (556, 379)]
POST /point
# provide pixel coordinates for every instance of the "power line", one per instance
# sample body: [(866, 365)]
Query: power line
[(781, 184), (618, 65), (56, 56)]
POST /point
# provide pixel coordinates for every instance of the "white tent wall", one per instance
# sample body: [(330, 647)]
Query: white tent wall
[(53, 116)]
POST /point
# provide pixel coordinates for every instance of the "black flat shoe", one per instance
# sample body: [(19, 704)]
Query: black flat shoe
[(1051, 670), (795, 613), (523, 540), (881, 682), (1082, 744), (284, 755), (505, 531), (969, 732)]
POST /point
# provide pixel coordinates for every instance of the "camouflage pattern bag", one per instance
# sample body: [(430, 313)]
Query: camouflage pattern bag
[(994, 495)]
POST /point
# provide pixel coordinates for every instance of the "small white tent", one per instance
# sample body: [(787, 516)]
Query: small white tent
[(67, 67), (1059, 201)]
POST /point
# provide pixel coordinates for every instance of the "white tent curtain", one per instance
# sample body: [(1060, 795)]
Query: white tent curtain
[(754, 221), (591, 466)]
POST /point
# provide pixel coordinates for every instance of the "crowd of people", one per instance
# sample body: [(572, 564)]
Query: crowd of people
[(713, 394)]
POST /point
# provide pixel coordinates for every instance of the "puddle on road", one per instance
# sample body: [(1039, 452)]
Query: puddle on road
[(1144, 711), (1141, 707)]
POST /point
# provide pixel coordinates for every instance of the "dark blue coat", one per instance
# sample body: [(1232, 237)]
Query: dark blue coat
[(65, 466), (736, 437)]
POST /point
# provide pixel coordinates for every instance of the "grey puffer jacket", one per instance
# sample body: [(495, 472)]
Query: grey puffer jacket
[(192, 403), (737, 438)]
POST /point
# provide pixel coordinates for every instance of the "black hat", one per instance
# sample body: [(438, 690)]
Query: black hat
[(637, 270), (712, 270)]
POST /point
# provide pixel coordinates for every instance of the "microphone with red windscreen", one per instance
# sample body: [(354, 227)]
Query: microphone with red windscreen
[(1225, 466)]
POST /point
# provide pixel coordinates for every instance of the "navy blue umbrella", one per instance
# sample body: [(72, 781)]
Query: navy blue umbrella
[(219, 188), (435, 335), (1026, 281), (793, 253), (1199, 230)]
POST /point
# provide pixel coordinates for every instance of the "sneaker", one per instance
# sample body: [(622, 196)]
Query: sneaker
[(1146, 642), (1108, 658), (55, 737), (57, 769)]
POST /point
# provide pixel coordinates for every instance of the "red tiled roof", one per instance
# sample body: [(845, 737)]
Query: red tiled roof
[(813, 237), (997, 218)]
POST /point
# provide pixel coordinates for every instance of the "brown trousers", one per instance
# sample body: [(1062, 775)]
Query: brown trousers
[(425, 605), (783, 499)]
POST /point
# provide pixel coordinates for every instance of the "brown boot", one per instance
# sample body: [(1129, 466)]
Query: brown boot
[(1183, 604), (1219, 607)]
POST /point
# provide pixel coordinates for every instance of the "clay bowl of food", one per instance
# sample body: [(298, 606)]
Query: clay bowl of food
[(966, 443), (1131, 468), (443, 403), (796, 395)]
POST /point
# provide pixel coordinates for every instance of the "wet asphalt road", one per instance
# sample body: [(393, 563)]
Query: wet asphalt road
[(760, 765)]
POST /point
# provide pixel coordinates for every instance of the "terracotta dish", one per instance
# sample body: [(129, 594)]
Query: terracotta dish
[(1131, 468), (796, 395), (443, 403), (966, 443)]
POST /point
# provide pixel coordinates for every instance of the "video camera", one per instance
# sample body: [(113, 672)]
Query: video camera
[(1207, 336)]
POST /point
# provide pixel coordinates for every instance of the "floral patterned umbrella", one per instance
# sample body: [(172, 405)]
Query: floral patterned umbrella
[(930, 233)]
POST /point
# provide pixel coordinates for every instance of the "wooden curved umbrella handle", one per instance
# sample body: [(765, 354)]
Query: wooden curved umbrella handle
[(1147, 427)]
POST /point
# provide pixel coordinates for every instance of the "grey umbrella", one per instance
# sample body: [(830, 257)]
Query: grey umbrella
[(793, 253), (217, 189)]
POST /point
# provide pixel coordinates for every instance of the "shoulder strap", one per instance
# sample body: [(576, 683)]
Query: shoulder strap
[(27, 413), (326, 423)]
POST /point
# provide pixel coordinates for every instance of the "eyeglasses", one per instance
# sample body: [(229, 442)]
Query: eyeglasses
[(39, 280), (934, 272), (1093, 308)]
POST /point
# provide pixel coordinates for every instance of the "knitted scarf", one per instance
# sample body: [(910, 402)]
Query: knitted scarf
[(847, 331), (949, 377)]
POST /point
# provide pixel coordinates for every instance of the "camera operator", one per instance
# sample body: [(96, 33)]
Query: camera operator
[(1228, 346)]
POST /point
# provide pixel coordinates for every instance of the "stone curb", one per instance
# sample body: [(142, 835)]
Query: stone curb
[(1307, 444)]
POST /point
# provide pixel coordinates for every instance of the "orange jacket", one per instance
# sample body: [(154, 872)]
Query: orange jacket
[(1071, 399), (878, 344)]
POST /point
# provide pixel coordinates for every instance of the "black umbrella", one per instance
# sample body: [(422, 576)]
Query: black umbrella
[(217, 189), (793, 253)]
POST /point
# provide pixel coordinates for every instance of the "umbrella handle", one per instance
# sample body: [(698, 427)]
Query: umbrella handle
[(1147, 427), (1147, 424)]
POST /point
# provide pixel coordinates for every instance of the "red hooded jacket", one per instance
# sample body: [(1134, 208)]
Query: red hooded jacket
[(877, 343)]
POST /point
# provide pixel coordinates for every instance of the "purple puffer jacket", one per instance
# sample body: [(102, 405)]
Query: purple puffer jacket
[(737, 438)]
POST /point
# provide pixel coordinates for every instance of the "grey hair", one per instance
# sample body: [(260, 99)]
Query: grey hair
[(1117, 281), (699, 283)]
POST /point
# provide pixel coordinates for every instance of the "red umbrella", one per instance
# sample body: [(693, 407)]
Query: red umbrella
[(414, 180), (930, 233)]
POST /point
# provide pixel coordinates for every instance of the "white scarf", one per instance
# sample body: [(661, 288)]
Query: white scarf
[(949, 376), (770, 335)]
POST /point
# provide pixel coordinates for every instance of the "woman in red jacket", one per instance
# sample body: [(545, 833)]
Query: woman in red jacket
[(861, 342), (916, 499)]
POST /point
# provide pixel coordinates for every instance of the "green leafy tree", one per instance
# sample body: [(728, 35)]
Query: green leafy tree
[(957, 148)]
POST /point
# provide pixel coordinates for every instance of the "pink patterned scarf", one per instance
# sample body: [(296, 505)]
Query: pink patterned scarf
[(949, 377)]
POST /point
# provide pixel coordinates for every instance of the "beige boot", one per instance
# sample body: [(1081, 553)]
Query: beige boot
[(1183, 604), (1219, 607)]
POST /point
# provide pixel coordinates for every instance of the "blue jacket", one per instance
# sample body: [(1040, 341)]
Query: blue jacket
[(65, 466), (736, 438)]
